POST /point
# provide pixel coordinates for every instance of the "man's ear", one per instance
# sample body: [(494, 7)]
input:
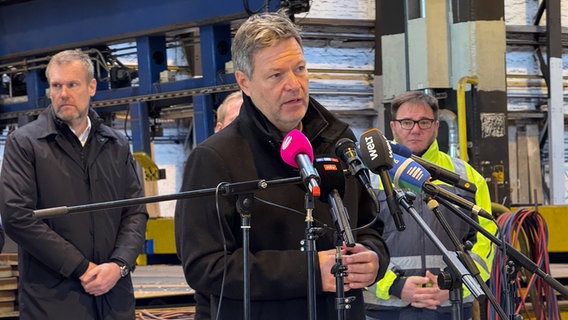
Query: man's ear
[(218, 126), (92, 87), (243, 81)]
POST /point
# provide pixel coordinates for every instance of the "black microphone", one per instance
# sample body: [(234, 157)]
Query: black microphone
[(296, 150), (346, 150), (332, 187), (437, 172), (377, 156)]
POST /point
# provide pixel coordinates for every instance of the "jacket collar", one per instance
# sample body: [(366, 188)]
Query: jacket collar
[(431, 154), (314, 124), (54, 126)]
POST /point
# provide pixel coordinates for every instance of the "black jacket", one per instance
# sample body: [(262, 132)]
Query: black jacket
[(248, 150), (45, 166)]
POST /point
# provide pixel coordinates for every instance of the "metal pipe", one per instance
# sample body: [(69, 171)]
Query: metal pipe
[(462, 125), (450, 119)]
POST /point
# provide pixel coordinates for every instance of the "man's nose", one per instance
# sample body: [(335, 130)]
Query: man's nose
[(292, 81), (63, 92)]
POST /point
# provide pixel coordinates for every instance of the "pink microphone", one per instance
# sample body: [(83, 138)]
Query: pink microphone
[(297, 151)]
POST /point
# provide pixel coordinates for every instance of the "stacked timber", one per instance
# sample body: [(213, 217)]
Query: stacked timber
[(8, 284)]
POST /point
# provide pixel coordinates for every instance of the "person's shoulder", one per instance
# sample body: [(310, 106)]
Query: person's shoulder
[(31, 130), (473, 171), (223, 139), (111, 133)]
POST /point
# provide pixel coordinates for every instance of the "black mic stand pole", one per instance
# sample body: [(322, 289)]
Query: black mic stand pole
[(225, 189), (339, 270), (343, 234), (309, 245), (511, 269), (464, 257), (245, 200), (457, 271), (244, 208)]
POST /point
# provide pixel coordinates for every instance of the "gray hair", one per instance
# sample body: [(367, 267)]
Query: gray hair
[(261, 31), (67, 56), (417, 97)]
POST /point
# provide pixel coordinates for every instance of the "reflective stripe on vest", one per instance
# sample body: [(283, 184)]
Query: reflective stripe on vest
[(459, 168)]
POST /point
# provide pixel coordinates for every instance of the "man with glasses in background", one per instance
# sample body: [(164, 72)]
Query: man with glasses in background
[(410, 288)]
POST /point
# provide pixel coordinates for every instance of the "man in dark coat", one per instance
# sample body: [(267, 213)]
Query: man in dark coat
[(271, 71), (76, 266)]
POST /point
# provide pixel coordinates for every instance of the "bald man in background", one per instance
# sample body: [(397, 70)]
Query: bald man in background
[(228, 110)]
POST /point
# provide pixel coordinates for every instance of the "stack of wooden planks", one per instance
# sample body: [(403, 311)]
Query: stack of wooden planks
[(8, 284)]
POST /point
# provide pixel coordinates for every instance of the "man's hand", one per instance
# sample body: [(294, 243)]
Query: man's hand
[(423, 292), (99, 279), (362, 267), (326, 262)]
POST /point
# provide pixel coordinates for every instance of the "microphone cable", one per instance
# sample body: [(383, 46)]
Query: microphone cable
[(251, 12), (527, 230), (316, 220), (224, 240), (225, 251)]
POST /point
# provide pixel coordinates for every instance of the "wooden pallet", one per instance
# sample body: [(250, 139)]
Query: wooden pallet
[(8, 284)]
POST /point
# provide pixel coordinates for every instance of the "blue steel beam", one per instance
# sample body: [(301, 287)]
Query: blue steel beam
[(152, 60), (215, 52), (43, 26)]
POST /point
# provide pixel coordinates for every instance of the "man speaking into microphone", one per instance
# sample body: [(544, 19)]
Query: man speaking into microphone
[(271, 72), (409, 290)]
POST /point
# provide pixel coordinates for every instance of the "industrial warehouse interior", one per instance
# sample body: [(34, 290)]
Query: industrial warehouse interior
[(499, 70)]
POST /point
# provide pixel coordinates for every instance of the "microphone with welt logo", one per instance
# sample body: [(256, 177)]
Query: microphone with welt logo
[(377, 156)]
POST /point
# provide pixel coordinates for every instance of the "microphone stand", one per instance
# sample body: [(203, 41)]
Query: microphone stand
[(515, 256), (464, 257), (309, 245), (343, 234), (511, 270), (244, 208), (245, 200), (225, 189), (457, 271), (342, 303)]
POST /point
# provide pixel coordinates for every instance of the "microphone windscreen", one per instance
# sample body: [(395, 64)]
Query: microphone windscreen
[(408, 174), (375, 150), (294, 143), (331, 176), (400, 149), (344, 145)]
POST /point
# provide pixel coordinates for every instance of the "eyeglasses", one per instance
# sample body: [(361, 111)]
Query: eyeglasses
[(408, 124)]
